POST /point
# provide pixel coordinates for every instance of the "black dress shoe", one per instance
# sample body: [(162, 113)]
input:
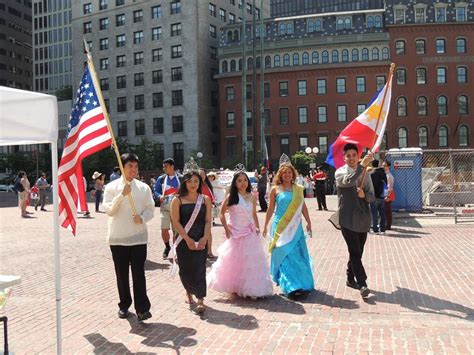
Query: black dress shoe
[(352, 284), (143, 316), (123, 313), (364, 292), (166, 252)]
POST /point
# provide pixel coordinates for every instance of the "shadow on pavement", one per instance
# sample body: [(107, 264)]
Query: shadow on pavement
[(408, 231), (423, 303), (151, 265), (325, 299), (230, 319), (159, 335), (275, 303), (104, 346)]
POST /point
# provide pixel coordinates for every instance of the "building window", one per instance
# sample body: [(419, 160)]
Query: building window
[(399, 16), (231, 18), (175, 29), (286, 60), (361, 108), (355, 55), (178, 154), (177, 97), (321, 87), (121, 104), (276, 61), (422, 137), (87, 8), (230, 147), (340, 85), (285, 145), (323, 144), (137, 37), (462, 75), (341, 113), (322, 114), (402, 134), (213, 52), (421, 76), (230, 119), (177, 124), (443, 136), (302, 87), (440, 46), (420, 45), (365, 54), (213, 31), (463, 136), (121, 41), (138, 58), (325, 57), (296, 59), (335, 56), (283, 88), (156, 33), (442, 105), (139, 102), (461, 45), (375, 54), (157, 76), (104, 64), (175, 7), (302, 143), (302, 115), (400, 47), (222, 15), (176, 74), (441, 75), (229, 93), (440, 14), (463, 105), (305, 58), (120, 20), (158, 127), (401, 107), (380, 81), (137, 16), (249, 118), (103, 24), (139, 127), (284, 119), (87, 27), (267, 117), (121, 82), (401, 76), (103, 4), (156, 12), (156, 55), (422, 106), (385, 53), (122, 128), (119, 2), (266, 90), (212, 10), (139, 79), (345, 56), (360, 84), (315, 57), (420, 14), (461, 13), (176, 51), (248, 91), (104, 84), (121, 61), (157, 99)]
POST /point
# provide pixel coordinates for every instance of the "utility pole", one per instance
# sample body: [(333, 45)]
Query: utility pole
[(244, 86), (254, 84), (262, 85)]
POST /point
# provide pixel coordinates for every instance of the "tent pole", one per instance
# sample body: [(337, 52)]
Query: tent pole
[(57, 263)]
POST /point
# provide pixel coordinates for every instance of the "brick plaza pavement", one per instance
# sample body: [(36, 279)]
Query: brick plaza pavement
[(421, 274)]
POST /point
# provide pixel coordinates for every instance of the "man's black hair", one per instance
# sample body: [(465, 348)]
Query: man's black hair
[(350, 146), (128, 157), (375, 163), (387, 163), (169, 161), (116, 169)]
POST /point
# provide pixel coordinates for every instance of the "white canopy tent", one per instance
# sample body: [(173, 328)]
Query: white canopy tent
[(31, 118)]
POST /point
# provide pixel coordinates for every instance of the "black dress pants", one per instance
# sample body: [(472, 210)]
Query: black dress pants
[(134, 257), (355, 244), (321, 197), (261, 199)]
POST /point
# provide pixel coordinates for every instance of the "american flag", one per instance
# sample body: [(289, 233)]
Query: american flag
[(87, 134)]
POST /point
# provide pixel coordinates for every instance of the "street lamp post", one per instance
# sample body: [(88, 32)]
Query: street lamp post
[(312, 152), (199, 155)]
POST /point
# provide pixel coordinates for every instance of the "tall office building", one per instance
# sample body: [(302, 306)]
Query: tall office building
[(52, 44), (156, 61)]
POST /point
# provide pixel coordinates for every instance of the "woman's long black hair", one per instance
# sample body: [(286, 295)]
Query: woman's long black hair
[(183, 190), (207, 181), (234, 192)]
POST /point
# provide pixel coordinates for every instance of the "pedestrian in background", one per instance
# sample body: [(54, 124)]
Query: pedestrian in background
[(390, 194), (22, 186), (116, 174), (262, 181), (99, 181), (320, 179), (379, 181), (43, 187)]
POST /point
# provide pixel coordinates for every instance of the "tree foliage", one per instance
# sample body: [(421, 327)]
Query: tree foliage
[(65, 93), (301, 162)]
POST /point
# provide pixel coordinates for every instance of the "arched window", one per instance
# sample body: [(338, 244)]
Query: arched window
[(268, 61), (305, 58), (240, 64), (463, 136), (315, 57), (422, 136), (378, 21), (401, 106), (310, 26), (348, 23), (233, 65), (340, 24), (276, 61), (345, 55), (296, 59), (442, 105), (335, 56), (375, 53), (355, 55), (318, 25), (230, 36), (289, 28), (422, 106), (385, 53), (443, 136), (259, 62), (402, 135), (286, 60), (325, 57), (370, 22), (463, 105), (365, 54), (236, 35), (249, 63), (282, 29), (224, 66)]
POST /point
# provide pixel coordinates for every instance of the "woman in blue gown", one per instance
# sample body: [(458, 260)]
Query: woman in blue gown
[(291, 265)]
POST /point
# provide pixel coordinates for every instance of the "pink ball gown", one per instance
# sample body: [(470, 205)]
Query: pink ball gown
[(242, 266)]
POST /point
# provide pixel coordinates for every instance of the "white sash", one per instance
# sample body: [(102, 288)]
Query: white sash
[(197, 208), (288, 233)]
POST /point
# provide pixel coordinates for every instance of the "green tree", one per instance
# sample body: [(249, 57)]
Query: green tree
[(301, 162), (65, 93)]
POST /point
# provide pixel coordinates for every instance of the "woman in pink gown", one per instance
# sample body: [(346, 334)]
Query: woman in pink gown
[(242, 266)]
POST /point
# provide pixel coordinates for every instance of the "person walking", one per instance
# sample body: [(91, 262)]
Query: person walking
[(262, 181), (128, 235), (390, 194), (115, 174), (99, 182), (379, 181), (320, 179), (43, 187), (354, 192), (22, 186)]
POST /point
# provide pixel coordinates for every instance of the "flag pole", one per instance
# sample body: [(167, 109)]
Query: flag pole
[(389, 84), (90, 63)]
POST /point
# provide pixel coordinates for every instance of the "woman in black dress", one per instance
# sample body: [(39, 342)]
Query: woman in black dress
[(192, 250)]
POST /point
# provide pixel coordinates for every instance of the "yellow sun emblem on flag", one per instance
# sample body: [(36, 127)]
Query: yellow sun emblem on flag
[(373, 112)]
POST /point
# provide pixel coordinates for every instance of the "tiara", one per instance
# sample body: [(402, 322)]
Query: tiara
[(190, 166), (284, 160), (239, 168)]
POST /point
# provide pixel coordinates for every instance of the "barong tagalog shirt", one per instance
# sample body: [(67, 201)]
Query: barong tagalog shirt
[(122, 229)]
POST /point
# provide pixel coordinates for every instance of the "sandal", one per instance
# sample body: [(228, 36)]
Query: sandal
[(200, 307)]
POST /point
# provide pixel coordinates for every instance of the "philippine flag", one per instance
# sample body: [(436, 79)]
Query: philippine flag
[(366, 130)]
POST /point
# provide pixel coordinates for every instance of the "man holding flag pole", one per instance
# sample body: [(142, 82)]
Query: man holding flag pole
[(354, 191)]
